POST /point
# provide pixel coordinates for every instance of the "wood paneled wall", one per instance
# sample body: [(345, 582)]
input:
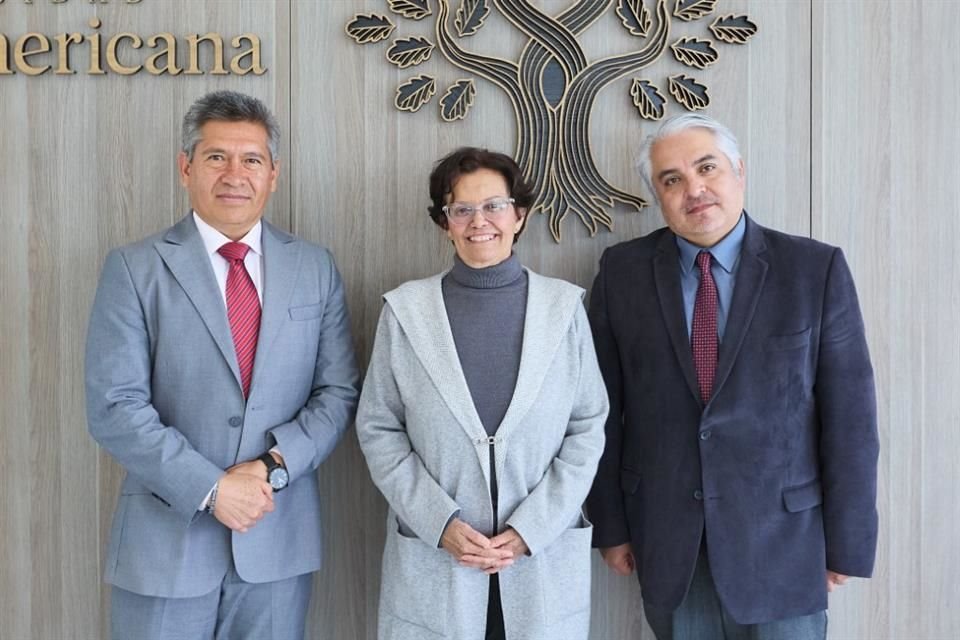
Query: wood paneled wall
[(884, 122), (846, 117)]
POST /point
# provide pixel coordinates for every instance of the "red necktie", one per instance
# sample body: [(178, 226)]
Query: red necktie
[(703, 334), (243, 310)]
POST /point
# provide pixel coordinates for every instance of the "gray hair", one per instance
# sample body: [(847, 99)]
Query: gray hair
[(726, 142), (228, 106)]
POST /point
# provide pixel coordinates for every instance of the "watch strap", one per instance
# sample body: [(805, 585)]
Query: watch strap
[(269, 460)]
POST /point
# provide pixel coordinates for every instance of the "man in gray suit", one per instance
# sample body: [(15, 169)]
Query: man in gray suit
[(739, 475), (220, 373)]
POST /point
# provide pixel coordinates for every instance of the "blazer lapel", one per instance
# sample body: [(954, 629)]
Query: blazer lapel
[(419, 309), (182, 250), (746, 293), (281, 263), (666, 273)]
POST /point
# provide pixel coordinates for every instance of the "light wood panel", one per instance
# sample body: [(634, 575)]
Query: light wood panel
[(331, 204), (843, 119), (16, 576), (885, 134)]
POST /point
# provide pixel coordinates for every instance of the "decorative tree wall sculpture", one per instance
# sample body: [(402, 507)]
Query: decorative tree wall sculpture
[(552, 86)]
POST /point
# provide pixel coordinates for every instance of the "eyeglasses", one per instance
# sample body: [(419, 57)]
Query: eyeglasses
[(461, 212)]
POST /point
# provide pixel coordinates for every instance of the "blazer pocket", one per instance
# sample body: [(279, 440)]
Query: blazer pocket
[(792, 341), (803, 497), (308, 312), (629, 481)]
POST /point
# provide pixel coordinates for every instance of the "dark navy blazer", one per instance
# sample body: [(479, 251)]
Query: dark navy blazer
[(779, 469)]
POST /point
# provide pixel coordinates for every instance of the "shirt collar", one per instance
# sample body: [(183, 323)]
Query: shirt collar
[(725, 253), (213, 239)]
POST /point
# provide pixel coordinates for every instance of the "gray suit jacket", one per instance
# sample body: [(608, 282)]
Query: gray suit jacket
[(779, 469), (431, 457), (164, 399)]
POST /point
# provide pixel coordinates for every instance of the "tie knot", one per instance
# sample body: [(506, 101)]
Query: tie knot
[(703, 261), (234, 251)]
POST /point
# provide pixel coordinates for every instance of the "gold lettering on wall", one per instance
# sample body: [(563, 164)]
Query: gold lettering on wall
[(94, 40), (194, 41), (64, 40), (117, 53), (169, 54), (113, 62), (253, 52), (4, 63), (20, 53)]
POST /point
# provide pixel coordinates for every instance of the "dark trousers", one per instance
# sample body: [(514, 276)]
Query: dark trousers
[(495, 630)]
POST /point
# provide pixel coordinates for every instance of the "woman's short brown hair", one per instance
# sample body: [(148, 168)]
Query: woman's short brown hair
[(467, 160)]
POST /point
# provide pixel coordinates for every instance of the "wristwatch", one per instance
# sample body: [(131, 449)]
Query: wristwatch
[(277, 474)]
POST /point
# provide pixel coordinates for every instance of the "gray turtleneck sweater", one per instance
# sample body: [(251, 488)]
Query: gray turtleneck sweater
[(486, 309)]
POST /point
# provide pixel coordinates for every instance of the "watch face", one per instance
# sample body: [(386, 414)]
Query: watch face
[(279, 478)]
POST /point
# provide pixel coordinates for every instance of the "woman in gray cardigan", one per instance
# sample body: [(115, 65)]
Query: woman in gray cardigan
[(481, 420)]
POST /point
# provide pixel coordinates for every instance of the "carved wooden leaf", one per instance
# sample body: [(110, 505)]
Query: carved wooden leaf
[(688, 10), (409, 52), (634, 16), (415, 93), (733, 29), (648, 99), (414, 9), (369, 28), (458, 99), (694, 52), (688, 92), (470, 16)]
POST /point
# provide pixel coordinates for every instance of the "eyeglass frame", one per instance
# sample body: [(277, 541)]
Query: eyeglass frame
[(475, 207)]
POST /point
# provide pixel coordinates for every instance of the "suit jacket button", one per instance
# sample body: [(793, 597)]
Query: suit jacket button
[(705, 435), (698, 495), (235, 421)]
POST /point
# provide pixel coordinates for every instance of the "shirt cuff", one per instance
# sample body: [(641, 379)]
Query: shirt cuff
[(206, 499)]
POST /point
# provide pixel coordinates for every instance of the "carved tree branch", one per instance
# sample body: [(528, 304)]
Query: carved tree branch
[(532, 62), (605, 71), (501, 72), (549, 32), (581, 15)]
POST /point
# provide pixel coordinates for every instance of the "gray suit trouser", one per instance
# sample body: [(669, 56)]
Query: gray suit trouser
[(237, 610)]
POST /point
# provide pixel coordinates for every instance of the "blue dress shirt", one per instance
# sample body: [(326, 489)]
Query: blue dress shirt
[(726, 260)]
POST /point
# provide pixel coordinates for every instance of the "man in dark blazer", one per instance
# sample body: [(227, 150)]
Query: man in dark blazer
[(739, 476), (220, 373)]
